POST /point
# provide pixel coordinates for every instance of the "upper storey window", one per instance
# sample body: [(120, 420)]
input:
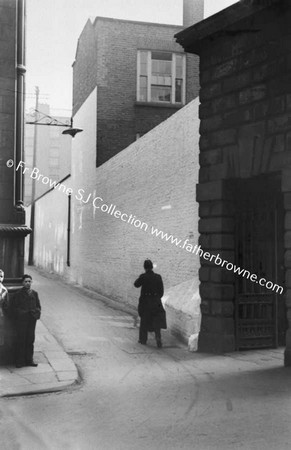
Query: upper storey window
[(161, 77)]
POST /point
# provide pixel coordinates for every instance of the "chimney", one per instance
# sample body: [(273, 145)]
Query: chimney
[(193, 12)]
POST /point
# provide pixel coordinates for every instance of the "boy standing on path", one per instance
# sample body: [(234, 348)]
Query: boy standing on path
[(26, 310)]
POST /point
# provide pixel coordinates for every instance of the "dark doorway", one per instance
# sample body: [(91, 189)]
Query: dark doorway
[(260, 313)]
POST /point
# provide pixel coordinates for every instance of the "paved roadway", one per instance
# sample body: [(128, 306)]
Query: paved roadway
[(135, 397)]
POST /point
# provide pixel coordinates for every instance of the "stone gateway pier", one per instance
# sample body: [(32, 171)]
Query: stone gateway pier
[(244, 189)]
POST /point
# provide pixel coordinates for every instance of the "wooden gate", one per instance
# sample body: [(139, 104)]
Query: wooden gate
[(260, 315)]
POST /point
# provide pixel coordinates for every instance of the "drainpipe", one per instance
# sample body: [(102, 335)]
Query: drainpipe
[(20, 92), (32, 208)]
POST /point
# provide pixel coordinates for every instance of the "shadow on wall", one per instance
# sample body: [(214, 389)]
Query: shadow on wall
[(182, 303)]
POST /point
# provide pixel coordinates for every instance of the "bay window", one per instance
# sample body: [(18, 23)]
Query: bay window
[(161, 77)]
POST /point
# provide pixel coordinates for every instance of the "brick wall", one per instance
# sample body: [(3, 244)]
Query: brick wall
[(84, 66), (153, 179), (107, 56)]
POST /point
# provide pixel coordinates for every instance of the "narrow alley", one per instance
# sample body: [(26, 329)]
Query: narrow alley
[(133, 396)]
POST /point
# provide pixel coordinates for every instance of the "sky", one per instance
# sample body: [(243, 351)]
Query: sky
[(53, 28)]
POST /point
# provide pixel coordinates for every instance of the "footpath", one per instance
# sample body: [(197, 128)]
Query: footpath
[(56, 370)]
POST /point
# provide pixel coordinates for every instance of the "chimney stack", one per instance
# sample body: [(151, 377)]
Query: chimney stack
[(193, 12)]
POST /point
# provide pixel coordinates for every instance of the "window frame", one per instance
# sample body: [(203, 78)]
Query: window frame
[(173, 78)]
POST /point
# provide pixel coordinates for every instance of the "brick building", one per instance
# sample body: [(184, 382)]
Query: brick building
[(244, 190), (142, 76)]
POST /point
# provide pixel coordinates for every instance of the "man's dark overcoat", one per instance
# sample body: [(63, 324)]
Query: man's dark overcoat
[(25, 304), (25, 310), (150, 306)]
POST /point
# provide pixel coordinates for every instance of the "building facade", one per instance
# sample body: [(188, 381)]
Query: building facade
[(244, 188), (141, 74)]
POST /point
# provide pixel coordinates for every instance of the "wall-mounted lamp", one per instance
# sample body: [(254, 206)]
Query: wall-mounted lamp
[(45, 119)]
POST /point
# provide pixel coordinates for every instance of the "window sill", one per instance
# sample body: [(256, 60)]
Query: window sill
[(160, 105)]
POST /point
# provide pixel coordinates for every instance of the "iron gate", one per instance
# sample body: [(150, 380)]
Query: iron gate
[(259, 249)]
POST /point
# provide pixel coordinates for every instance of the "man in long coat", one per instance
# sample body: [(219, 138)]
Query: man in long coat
[(25, 308), (150, 308)]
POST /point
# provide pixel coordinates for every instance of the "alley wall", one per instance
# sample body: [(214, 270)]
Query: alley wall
[(153, 185)]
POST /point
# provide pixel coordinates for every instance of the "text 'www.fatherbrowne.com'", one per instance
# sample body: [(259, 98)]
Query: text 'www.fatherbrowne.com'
[(98, 204), (216, 259)]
